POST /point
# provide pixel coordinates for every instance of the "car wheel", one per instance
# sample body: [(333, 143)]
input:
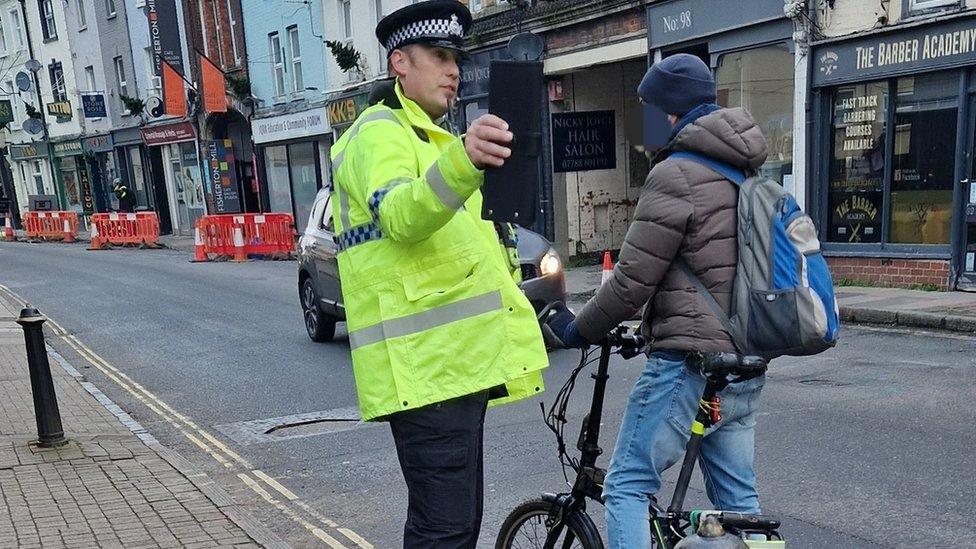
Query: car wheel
[(320, 326)]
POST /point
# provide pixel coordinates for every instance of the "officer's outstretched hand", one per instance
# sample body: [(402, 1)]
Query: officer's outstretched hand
[(485, 142)]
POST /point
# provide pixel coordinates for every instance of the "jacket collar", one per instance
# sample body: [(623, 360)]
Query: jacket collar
[(415, 114)]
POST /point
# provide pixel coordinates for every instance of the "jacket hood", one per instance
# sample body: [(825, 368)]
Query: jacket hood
[(729, 135)]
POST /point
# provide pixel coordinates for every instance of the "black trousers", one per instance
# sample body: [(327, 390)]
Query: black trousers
[(441, 450)]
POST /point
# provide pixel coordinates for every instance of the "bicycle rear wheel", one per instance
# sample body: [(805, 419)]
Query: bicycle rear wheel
[(526, 528)]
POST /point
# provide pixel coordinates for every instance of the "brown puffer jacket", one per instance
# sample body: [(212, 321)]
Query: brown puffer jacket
[(685, 210)]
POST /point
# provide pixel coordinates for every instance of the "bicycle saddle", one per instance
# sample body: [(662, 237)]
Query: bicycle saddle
[(723, 364)]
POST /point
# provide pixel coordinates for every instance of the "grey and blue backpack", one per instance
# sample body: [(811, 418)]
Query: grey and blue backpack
[(783, 296)]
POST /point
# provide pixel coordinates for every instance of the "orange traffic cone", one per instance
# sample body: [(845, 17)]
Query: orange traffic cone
[(239, 255), (607, 268), (68, 236), (96, 240), (199, 253), (8, 230)]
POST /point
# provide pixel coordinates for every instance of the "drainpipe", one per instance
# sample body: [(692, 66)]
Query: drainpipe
[(59, 189)]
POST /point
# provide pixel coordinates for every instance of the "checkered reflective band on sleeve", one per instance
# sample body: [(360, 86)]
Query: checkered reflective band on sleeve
[(357, 235)]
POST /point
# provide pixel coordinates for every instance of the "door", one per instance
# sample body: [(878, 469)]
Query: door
[(966, 249), (324, 252)]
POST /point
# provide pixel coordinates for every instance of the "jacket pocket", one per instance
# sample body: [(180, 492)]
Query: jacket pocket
[(773, 320)]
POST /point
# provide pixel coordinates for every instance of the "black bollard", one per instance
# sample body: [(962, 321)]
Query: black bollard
[(49, 430)]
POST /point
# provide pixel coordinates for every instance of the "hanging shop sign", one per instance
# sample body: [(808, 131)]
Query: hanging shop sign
[(949, 43), (93, 105), (60, 109), (583, 141), (97, 144), (343, 112), (221, 182)]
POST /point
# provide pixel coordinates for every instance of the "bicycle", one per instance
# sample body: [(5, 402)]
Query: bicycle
[(540, 522)]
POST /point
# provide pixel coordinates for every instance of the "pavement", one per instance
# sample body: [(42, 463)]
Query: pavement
[(113, 484), (949, 311)]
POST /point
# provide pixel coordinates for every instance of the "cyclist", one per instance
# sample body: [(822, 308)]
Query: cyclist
[(685, 212)]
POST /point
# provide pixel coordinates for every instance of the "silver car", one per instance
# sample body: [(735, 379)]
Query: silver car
[(318, 274)]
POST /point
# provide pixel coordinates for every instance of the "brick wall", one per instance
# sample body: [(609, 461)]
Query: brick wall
[(203, 34), (597, 31), (899, 273)]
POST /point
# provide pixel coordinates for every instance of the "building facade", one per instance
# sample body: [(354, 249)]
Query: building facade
[(288, 74), (892, 92)]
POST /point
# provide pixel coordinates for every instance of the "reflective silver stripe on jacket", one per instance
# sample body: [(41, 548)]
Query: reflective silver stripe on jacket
[(439, 185), (425, 320)]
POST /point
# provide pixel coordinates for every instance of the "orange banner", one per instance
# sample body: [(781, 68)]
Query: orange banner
[(173, 92), (214, 89)]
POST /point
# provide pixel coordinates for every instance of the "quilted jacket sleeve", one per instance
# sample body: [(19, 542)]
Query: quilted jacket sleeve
[(661, 218)]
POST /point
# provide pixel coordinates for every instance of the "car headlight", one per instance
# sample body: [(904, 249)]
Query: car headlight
[(550, 263)]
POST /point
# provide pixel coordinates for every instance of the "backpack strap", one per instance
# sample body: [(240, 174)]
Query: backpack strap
[(727, 171), (707, 296)]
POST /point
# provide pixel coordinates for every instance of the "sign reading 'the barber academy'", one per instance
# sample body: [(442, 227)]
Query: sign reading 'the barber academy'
[(583, 141)]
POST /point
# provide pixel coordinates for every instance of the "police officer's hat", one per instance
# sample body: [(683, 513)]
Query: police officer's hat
[(439, 23)]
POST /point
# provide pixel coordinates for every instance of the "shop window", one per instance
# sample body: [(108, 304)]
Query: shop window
[(69, 176), (192, 179), (279, 188), (138, 177), (304, 180), (761, 81), (923, 159), (910, 202), (856, 186)]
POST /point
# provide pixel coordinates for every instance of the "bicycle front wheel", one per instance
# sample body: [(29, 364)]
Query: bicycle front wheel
[(528, 525)]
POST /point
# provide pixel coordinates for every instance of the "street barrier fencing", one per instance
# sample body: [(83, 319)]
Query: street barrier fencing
[(240, 237), (59, 225), (124, 229)]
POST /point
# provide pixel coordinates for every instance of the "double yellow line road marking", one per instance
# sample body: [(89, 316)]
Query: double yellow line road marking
[(290, 505)]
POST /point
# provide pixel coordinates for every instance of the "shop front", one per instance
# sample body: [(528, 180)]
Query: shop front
[(894, 140), (174, 162), (133, 168), (294, 150), (750, 50), (31, 171), (102, 170), (72, 174)]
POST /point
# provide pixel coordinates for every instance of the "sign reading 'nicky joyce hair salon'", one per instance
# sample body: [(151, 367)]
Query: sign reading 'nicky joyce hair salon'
[(947, 44)]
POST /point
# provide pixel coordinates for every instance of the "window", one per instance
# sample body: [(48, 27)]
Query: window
[(3, 39), (476, 6), (761, 81), (120, 81), (891, 173), (82, 16), (304, 180), (48, 28), (921, 5), (110, 8), (233, 34), (381, 60), (17, 29), (56, 75), (279, 188), (218, 34), (296, 60), (138, 177), (90, 79), (203, 29), (277, 64), (345, 15), (326, 223), (923, 159), (38, 177)]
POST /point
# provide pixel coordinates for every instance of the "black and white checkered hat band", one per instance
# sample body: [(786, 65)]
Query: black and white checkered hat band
[(429, 28)]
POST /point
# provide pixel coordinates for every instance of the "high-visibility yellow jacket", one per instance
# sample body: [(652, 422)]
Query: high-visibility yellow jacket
[(432, 307)]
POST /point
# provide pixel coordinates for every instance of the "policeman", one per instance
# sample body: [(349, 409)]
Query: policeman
[(123, 195), (438, 327)]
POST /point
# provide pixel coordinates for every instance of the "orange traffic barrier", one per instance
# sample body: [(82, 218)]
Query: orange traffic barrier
[(8, 230), (241, 236), (51, 225), (124, 229), (199, 250)]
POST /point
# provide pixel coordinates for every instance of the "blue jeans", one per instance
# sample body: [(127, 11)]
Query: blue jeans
[(655, 429)]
